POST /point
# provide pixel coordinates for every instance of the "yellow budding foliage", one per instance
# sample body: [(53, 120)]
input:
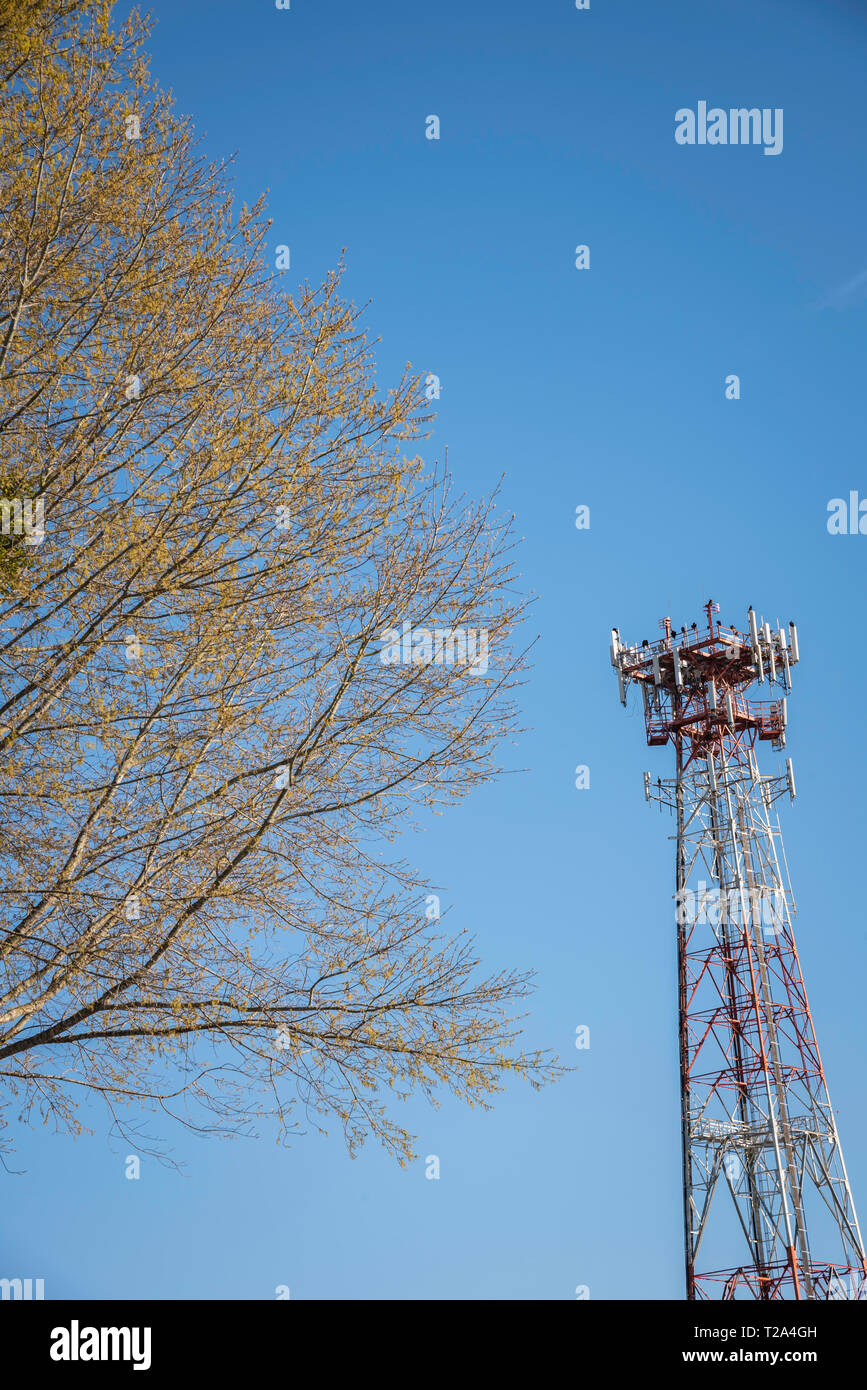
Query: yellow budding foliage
[(202, 749)]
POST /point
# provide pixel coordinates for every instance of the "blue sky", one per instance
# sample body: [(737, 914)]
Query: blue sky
[(602, 387)]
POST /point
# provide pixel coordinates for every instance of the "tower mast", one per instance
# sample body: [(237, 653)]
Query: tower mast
[(756, 1118)]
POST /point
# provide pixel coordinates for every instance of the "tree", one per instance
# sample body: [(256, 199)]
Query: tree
[(21, 21), (208, 727)]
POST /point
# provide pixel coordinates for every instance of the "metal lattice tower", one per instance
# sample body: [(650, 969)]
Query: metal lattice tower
[(758, 1131)]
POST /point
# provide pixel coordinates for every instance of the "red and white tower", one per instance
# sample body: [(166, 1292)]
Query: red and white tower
[(768, 1212)]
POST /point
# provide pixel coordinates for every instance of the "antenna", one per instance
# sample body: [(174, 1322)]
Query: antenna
[(783, 1224)]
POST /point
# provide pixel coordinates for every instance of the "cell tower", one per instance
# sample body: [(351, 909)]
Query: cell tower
[(758, 1130)]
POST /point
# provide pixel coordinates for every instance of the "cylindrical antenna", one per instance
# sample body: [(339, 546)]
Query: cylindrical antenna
[(784, 652), (754, 643), (678, 678)]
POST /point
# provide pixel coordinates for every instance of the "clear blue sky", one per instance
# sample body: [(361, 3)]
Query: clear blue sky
[(603, 387)]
